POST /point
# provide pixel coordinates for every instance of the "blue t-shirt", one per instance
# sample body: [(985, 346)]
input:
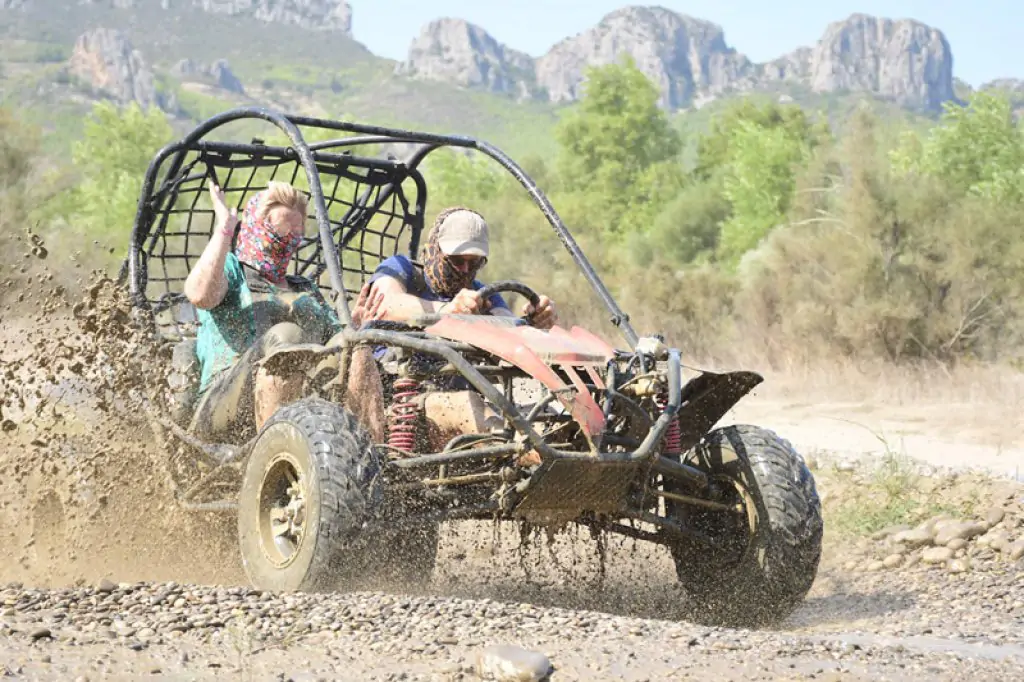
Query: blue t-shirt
[(402, 269)]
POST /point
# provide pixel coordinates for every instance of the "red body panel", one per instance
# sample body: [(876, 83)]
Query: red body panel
[(534, 351)]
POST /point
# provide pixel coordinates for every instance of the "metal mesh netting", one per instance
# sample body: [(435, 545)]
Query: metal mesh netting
[(371, 206)]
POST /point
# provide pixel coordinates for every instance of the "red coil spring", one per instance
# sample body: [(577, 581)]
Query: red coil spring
[(404, 415), (672, 444)]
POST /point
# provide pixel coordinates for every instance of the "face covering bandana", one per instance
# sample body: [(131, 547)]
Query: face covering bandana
[(260, 246), (443, 277)]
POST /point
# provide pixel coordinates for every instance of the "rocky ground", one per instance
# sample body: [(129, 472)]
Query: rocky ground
[(940, 599)]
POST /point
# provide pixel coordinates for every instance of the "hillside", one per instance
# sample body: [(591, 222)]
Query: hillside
[(194, 58)]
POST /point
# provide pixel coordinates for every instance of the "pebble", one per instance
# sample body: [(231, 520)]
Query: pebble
[(505, 663), (892, 561), (936, 555), (994, 516)]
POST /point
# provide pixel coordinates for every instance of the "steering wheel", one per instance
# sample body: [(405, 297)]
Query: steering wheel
[(515, 287)]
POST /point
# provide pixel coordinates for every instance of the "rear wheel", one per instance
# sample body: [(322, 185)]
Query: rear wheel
[(310, 486), (768, 554)]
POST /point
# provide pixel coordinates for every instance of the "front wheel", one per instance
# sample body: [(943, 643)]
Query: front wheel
[(767, 554), (310, 485)]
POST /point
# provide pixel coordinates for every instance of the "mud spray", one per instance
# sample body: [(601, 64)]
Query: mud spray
[(83, 493), (84, 487)]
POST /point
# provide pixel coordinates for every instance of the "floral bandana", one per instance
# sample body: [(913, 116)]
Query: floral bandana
[(443, 277), (260, 246)]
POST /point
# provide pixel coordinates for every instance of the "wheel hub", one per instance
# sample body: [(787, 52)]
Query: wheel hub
[(282, 511)]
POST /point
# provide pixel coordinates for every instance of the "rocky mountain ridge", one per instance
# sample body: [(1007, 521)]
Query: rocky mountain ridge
[(319, 15), (901, 60)]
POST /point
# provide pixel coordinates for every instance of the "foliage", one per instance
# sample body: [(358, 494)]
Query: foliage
[(111, 159), (614, 147), (977, 149)]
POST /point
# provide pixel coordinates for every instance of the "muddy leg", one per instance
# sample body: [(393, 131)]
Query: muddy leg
[(271, 391), (364, 395)]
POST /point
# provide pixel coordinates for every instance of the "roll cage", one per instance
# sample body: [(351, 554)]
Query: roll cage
[(366, 207)]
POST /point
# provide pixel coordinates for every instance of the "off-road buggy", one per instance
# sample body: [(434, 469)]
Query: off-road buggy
[(625, 439)]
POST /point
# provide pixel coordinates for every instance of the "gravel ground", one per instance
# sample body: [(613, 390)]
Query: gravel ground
[(924, 622), (192, 632), (91, 538)]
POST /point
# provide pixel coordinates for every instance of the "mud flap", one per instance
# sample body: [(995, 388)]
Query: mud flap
[(707, 397)]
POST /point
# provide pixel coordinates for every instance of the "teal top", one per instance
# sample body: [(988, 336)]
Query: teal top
[(227, 330)]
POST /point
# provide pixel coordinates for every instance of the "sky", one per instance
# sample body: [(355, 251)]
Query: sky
[(985, 35)]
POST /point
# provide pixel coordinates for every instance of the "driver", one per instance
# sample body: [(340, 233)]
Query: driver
[(457, 249)]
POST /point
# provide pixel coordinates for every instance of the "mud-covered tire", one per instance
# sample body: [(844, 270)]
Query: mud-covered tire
[(324, 447), (760, 577)]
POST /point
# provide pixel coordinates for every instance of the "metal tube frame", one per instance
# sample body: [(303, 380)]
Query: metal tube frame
[(290, 124)]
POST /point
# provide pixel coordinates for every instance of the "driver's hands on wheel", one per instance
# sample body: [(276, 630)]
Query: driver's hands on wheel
[(544, 315), (466, 302)]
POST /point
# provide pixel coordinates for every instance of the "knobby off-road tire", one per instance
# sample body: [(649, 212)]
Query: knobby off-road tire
[(770, 554), (321, 448)]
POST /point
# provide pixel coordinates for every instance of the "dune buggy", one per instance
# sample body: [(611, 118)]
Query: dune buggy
[(552, 427)]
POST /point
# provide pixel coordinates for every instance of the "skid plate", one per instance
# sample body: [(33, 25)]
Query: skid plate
[(563, 490)]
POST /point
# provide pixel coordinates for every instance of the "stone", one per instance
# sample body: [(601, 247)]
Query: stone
[(506, 663), (959, 565), (994, 516), (964, 530), (1015, 551), (686, 58), (691, 64), (956, 544), (936, 555), (917, 537), (105, 586), (892, 561)]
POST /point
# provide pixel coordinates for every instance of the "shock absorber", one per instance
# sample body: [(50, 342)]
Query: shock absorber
[(403, 418), (672, 444)]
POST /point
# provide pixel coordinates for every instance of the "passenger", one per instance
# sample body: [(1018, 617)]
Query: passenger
[(248, 306)]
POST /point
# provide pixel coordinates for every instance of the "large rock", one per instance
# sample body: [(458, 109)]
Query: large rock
[(222, 75), (683, 56), (690, 62), (104, 59), (903, 60), (324, 15), (455, 51), (219, 72)]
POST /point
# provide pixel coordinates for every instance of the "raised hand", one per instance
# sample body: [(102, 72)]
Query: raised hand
[(227, 218)]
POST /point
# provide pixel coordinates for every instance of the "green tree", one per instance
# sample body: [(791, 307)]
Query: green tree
[(758, 181), (976, 149), (112, 156), (715, 149), (618, 150)]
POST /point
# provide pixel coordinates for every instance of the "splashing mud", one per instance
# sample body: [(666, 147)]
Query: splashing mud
[(82, 488)]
